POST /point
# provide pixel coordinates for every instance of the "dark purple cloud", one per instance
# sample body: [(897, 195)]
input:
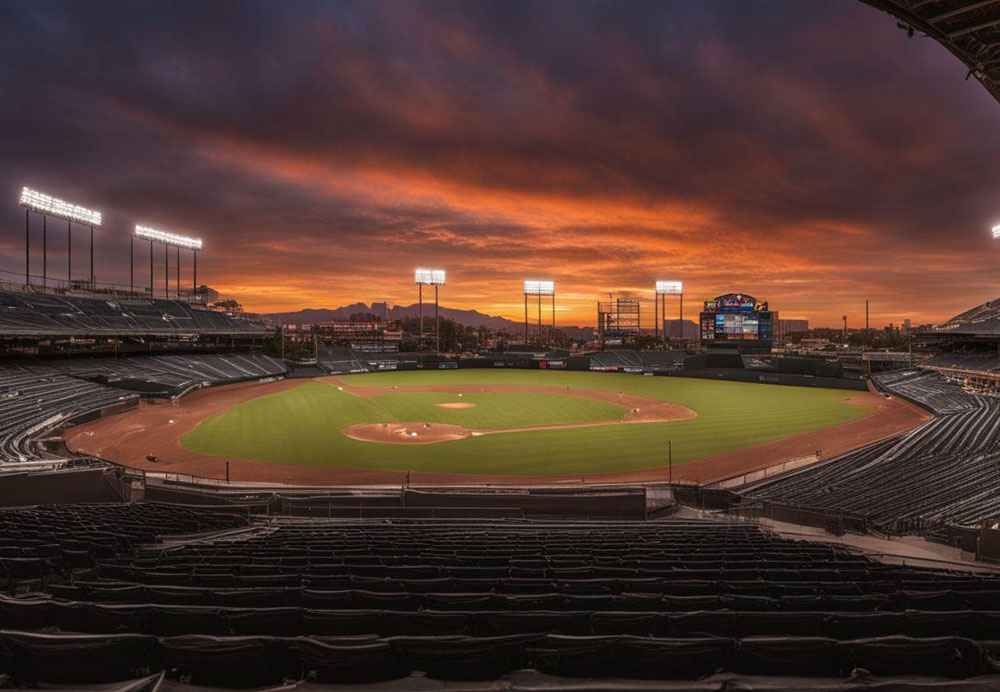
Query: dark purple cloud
[(806, 152)]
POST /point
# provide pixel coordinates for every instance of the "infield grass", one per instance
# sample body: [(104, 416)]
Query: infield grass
[(302, 425)]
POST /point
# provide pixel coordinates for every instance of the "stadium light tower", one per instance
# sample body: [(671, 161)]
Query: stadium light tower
[(46, 205), (168, 240), (664, 289), (435, 278), (535, 287)]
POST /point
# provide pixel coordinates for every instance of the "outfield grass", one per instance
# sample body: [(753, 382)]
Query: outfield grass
[(302, 425)]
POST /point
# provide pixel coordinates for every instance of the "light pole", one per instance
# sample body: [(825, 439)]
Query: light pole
[(435, 278), (670, 288), (168, 240), (46, 205), (534, 287)]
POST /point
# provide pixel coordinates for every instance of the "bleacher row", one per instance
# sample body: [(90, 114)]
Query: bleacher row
[(965, 360), (37, 397), (341, 361), (44, 314), (362, 602), (943, 472), (930, 390), (32, 404), (176, 372), (647, 361)]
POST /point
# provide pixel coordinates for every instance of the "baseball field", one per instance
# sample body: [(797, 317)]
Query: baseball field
[(512, 422)]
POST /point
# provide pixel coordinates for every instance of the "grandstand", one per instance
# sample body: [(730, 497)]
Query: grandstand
[(110, 594), (637, 361), (342, 360), (945, 472), (32, 405), (967, 348), (38, 398), (44, 322)]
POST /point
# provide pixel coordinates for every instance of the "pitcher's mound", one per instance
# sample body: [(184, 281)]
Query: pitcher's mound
[(406, 433), (456, 404)]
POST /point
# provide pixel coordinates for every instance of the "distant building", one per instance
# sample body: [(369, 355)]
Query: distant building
[(785, 328), (618, 321), (366, 335)]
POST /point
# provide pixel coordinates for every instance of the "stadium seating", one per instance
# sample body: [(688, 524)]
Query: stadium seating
[(37, 397), (943, 472), (32, 404), (175, 373), (646, 361), (104, 596), (965, 360), (340, 361), (41, 314)]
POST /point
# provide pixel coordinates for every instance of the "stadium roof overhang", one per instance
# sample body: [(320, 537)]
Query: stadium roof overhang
[(969, 29), (979, 324)]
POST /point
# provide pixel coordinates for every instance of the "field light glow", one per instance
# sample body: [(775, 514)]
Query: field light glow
[(46, 204), (429, 277), (670, 288), (147, 233), (533, 287), (996, 232)]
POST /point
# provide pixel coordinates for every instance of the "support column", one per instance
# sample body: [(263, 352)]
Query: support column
[(27, 247), (656, 312), (420, 314), (45, 250), (437, 323), (682, 318), (663, 319), (150, 268), (194, 281), (166, 272), (92, 286), (541, 339), (553, 316), (178, 272), (69, 259), (525, 319)]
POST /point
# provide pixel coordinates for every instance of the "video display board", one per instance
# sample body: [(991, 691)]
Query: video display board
[(735, 302), (736, 317)]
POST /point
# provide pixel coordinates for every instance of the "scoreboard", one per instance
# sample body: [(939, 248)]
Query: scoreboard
[(737, 319)]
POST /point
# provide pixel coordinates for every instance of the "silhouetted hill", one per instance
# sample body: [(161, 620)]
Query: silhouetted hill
[(468, 318)]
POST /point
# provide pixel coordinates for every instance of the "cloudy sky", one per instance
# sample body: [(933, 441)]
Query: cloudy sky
[(803, 151)]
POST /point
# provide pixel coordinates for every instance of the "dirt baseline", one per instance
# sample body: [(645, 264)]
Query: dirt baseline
[(156, 428)]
